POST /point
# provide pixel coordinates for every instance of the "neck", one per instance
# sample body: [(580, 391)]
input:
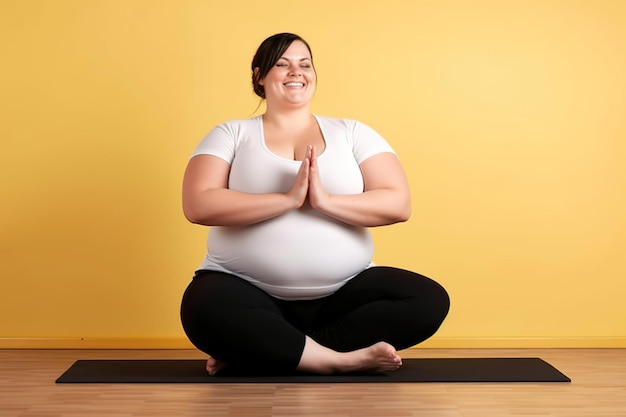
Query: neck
[(289, 117)]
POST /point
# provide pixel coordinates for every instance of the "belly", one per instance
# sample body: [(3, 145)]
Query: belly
[(301, 249)]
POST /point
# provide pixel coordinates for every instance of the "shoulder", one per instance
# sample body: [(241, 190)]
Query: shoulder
[(236, 126), (336, 121), (349, 126), (226, 137)]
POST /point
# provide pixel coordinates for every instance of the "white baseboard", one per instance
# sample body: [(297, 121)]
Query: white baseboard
[(96, 343), (434, 343), (524, 342)]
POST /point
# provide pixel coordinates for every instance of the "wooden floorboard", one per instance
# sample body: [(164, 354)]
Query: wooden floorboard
[(598, 389)]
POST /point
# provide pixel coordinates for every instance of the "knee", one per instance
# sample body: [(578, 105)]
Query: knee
[(440, 304), (432, 303)]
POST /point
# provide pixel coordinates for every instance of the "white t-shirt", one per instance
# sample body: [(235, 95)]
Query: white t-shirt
[(301, 254)]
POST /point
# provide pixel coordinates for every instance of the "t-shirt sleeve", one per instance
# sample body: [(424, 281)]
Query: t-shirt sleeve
[(218, 142), (367, 142)]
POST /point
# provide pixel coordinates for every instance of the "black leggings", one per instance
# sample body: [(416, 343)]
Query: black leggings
[(240, 324)]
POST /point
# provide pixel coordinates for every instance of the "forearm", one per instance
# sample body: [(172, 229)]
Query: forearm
[(224, 207), (372, 208)]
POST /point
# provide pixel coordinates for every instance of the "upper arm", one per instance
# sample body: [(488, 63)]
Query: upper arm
[(209, 166), (384, 171), (204, 172)]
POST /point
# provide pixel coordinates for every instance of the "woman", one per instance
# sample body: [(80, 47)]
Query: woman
[(288, 283)]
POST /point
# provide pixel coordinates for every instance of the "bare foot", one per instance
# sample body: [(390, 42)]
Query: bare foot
[(213, 365), (380, 357)]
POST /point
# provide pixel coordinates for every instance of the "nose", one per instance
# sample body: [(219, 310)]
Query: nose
[(294, 70)]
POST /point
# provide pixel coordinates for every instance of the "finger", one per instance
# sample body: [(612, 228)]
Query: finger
[(313, 157), (305, 168)]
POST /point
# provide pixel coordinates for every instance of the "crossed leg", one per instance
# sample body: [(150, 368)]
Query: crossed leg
[(254, 333)]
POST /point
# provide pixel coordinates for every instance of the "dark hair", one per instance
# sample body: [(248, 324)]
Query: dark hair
[(269, 52)]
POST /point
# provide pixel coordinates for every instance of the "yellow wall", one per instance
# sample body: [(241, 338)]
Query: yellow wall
[(508, 115)]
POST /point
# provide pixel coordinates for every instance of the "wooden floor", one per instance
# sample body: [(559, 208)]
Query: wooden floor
[(598, 389)]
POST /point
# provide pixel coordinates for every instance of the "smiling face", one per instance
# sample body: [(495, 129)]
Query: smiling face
[(291, 81)]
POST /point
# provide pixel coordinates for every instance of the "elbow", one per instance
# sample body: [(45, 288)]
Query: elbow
[(404, 215), (194, 220), (396, 216), (403, 212), (397, 212), (193, 216), (402, 207)]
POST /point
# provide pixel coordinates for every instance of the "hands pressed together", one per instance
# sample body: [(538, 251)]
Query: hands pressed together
[(308, 184), (207, 200)]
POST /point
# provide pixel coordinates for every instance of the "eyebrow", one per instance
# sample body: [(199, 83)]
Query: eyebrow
[(301, 59)]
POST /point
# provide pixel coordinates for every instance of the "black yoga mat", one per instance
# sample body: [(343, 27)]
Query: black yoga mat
[(412, 370)]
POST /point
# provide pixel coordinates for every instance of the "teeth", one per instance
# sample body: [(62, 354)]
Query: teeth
[(294, 84)]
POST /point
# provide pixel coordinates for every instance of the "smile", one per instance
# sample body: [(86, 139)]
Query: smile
[(294, 84)]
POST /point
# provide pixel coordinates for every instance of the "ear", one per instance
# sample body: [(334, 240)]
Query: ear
[(256, 75)]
